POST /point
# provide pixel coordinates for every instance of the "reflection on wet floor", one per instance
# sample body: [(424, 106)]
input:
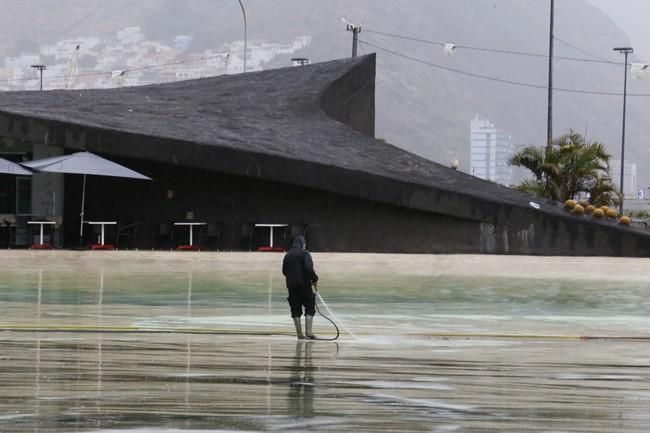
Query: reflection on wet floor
[(509, 366), (57, 382)]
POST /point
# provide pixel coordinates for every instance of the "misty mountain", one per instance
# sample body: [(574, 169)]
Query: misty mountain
[(424, 107)]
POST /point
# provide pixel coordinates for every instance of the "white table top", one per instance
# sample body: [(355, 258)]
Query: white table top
[(271, 225), (190, 224), (101, 222), (41, 222)]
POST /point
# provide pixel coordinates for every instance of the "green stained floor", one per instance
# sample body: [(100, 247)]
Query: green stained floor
[(171, 342)]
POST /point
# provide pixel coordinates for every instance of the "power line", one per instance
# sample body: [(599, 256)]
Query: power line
[(563, 42), (498, 50), (124, 71), (363, 50), (179, 62), (543, 56), (496, 79), (54, 77), (408, 38)]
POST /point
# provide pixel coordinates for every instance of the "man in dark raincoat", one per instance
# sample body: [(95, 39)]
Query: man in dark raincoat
[(298, 268)]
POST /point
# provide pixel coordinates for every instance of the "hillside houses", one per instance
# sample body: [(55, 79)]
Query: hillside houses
[(129, 59)]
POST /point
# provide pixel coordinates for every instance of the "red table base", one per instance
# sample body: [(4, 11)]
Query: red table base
[(271, 249), (102, 247), (42, 247), (188, 248)]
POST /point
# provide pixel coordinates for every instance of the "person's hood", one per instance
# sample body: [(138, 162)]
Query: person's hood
[(299, 242)]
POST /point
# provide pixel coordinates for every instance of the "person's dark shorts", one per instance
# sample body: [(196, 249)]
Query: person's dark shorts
[(302, 298)]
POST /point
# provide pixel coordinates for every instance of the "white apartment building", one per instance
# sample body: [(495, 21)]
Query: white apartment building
[(630, 187), (490, 152)]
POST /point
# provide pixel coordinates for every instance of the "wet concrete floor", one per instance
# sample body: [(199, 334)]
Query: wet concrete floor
[(168, 342)]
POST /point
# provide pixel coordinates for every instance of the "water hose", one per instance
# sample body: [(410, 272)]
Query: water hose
[(330, 320)]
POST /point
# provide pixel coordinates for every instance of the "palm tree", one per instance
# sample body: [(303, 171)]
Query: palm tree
[(571, 165), (602, 192)]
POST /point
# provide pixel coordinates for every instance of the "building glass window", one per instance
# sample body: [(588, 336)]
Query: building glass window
[(23, 195), (7, 193)]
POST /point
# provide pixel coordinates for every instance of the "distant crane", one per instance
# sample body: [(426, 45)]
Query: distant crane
[(73, 70)]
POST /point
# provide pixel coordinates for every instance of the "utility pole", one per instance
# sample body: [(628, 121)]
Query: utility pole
[(627, 51), (40, 69), (355, 36), (549, 122)]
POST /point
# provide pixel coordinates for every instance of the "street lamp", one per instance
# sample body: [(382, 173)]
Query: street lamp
[(243, 11), (549, 121), (626, 51)]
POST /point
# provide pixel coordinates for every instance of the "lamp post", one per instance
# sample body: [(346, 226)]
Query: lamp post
[(243, 11), (626, 51), (549, 121)]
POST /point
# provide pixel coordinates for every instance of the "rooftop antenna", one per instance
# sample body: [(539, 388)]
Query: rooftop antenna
[(40, 69), (355, 29)]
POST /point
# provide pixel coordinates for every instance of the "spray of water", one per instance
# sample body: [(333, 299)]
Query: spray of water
[(336, 318)]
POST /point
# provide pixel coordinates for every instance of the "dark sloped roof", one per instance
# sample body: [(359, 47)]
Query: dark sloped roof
[(276, 113)]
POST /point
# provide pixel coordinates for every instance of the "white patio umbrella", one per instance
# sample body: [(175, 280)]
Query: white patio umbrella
[(8, 167), (85, 163)]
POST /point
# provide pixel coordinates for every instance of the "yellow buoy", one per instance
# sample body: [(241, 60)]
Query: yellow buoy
[(578, 209), (625, 220), (584, 203), (611, 213), (570, 204), (598, 213), (605, 209), (589, 209)]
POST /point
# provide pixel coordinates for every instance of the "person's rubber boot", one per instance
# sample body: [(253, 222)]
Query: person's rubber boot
[(309, 320), (296, 322)]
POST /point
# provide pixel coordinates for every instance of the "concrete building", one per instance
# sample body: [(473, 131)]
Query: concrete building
[(490, 151), (291, 146)]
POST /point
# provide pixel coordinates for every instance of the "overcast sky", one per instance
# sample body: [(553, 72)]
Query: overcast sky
[(633, 16)]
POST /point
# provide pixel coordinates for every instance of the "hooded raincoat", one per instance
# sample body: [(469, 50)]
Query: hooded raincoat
[(298, 268)]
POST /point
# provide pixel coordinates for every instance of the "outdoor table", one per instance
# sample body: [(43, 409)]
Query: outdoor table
[(101, 245), (191, 227), (271, 227), (40, 245)]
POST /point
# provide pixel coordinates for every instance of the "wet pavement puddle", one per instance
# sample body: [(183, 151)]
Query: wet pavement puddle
[(168, 343)]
